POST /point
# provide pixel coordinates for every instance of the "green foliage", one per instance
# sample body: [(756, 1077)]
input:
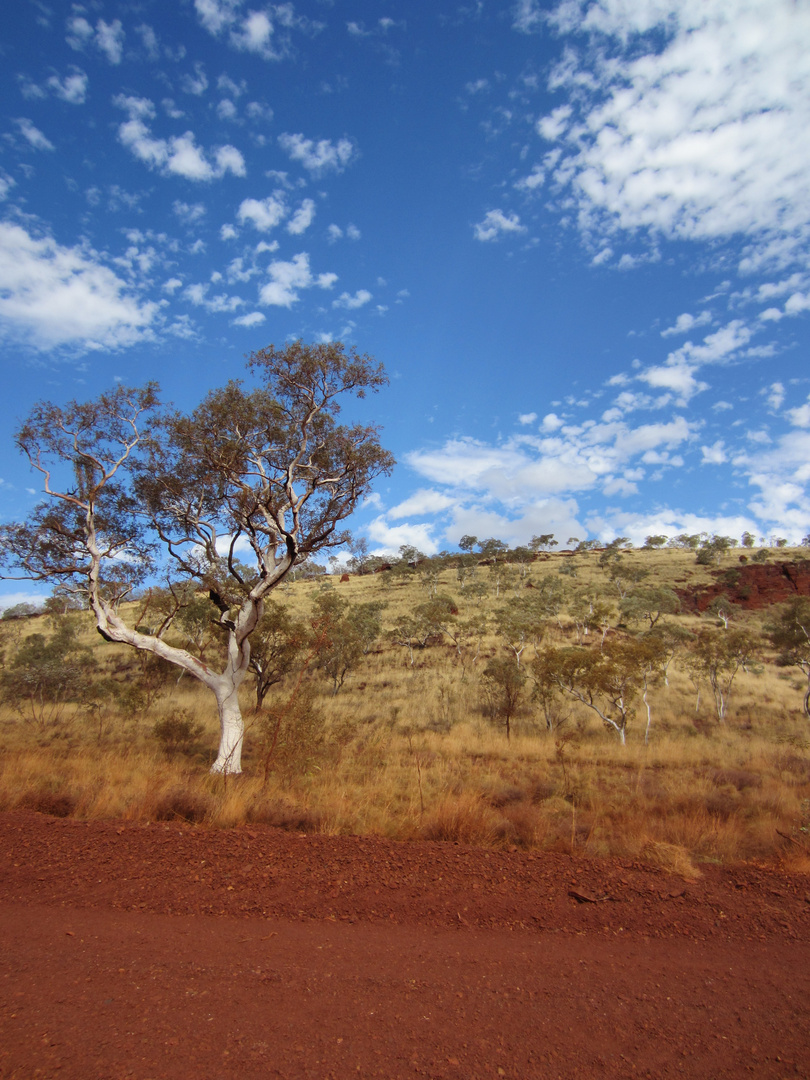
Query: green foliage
[(608, 681), (345, 633), (291, 733), (502, 685), (789, 633), (276, 644), (21, 611), (713, 548), (649, 603), (177, 732), (717, 656), (46, 674)]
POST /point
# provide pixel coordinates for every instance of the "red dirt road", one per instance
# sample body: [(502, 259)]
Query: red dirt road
[(130, 951)]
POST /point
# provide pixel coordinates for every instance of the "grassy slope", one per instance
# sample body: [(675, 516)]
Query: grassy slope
[(409, 751)]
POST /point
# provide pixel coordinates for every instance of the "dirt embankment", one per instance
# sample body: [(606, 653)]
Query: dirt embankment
[(151, 951)]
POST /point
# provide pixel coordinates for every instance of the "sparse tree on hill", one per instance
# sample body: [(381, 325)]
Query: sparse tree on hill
[(544, 542), (276, 644), (650, 604), (790, 634), (608, 682), (503, 685), (717, 656), (266, 473)]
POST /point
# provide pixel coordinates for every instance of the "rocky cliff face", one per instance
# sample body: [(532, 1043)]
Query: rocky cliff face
[(752, 586)]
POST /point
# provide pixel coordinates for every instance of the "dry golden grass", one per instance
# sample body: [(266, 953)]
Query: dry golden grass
[(408, 752)]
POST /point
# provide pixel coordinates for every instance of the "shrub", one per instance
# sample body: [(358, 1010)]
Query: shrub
[(177, 732)]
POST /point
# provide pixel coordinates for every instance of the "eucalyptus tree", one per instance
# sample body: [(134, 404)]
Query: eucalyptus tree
[(263, 476), (607, 681), (790, 634)]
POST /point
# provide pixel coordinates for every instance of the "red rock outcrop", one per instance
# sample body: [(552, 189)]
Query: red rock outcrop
[(752, 586)]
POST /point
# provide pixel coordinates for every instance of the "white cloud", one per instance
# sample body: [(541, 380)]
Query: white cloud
[(302, 218), (71, 88), (776, 396), (392, 537), (178, 155), (255, 34), (318, 157), (334, 233), (800, 416), (535, 179), (79, 32), (423, 501), (552, 127), (215, 15), (715, 454), (52, 295), (197, 294), (229, 159), (686, 322), (496, 223), (527, 418), (253, 319), (287, 278), (696, 131), (197, 83), (110, 39), (33, 135), (149, 39), (677, 377), (189, 213), (6, 184), (527, 16), (345, 300), (263, 214)]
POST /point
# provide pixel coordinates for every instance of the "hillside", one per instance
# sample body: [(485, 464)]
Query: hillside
[(467, 697)]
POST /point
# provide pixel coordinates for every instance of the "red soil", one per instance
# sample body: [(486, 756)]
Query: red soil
[(752, 587), (172, 951)]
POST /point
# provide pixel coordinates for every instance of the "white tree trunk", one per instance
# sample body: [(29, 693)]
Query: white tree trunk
[(231, 733)]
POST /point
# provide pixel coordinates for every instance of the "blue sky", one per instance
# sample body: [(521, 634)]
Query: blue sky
[(577, 234)]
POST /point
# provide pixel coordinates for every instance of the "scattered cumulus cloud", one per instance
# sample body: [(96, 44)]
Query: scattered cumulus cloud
[(497, 224), (319, 156), (108, 38), (289, 278), (351, 303), (178, 155), (33, 135), (263, 214), (694, 131), (53, 296), (302, 218), (254, 318), (686, 322)]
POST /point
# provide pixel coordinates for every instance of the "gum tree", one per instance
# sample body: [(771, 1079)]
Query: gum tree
[(230, 496), (790, 634)]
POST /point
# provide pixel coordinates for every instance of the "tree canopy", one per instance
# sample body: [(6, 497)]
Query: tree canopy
[(229, 497)]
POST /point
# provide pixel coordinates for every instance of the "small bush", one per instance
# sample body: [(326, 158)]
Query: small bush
[(182, 804), (177, 732), (59, 804), (284, 816)]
